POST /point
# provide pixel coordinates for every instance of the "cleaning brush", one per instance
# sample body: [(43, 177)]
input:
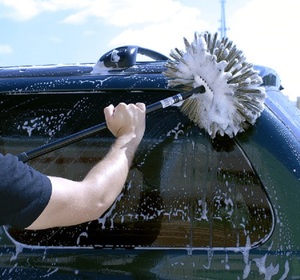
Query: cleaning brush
[(233, 98)]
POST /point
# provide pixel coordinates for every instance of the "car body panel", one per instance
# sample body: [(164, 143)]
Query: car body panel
[(192, 207)]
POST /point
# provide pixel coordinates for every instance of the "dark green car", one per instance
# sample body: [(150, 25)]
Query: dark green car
[(192, 207)]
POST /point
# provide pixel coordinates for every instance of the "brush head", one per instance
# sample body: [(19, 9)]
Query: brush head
[(233, 98)]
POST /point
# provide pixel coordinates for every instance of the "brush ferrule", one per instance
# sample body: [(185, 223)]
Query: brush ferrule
[(171, 100)]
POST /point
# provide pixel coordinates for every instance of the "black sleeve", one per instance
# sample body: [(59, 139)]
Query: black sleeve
[(24, 192)]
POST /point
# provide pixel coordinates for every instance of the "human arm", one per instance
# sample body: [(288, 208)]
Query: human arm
[(74, 202)]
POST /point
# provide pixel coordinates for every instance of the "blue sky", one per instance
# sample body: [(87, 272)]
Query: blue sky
[(36, 32)]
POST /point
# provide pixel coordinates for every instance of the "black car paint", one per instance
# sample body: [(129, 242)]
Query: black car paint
[(271, 147)]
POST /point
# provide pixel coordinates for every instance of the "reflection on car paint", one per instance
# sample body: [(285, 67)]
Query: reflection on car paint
[(191, 207), (185, 193)]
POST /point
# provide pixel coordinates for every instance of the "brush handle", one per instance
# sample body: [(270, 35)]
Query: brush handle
[(164, 103), (173, 99), (47, 148), (60, 143)]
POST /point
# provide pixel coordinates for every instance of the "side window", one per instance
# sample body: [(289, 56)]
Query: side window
[(183, 191)]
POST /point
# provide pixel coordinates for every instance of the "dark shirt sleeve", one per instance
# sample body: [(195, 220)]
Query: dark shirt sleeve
[(24, 192)]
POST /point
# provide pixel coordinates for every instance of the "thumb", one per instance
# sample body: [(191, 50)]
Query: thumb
[(108, 112)]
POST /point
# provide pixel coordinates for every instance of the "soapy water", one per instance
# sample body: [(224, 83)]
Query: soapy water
[(186, 187), (222, 206), (51, 124), (226, 201)]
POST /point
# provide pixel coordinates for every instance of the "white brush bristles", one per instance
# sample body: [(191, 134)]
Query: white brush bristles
[(233, 98)]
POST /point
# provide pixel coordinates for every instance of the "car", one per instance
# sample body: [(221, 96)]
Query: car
[(193, 207)]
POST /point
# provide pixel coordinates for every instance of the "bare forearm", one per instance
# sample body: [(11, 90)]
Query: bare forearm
[(106, 180), (77, 202)]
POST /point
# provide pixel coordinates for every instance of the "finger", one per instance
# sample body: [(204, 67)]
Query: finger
[(142, 106), (109, 111), (121, 105)]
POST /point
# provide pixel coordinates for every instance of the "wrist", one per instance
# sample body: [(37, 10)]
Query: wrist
[(130, 139)]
